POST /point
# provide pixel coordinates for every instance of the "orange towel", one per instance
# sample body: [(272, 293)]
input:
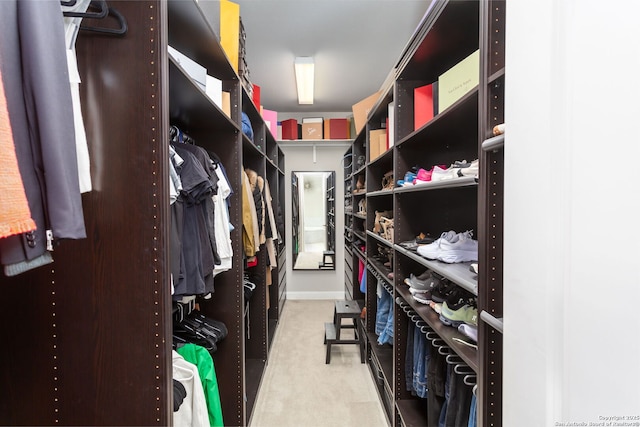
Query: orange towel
[(15, 216)]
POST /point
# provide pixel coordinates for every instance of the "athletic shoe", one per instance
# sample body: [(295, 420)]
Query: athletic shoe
[(422, 298), (465, 314), (441, 292), (425, 282), (408, 179), (441, 173), (432, 250), (436, 306), (469, 331), (462, 169), (460, 249)]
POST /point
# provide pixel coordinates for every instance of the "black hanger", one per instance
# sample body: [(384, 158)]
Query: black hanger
[(176, 136), (120, 31), (68, 3), (100, 4)]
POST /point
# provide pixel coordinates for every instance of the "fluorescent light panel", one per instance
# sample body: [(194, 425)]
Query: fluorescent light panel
[(304, 68)]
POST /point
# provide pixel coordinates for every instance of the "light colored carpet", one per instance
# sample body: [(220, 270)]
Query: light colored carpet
[(300, 390)]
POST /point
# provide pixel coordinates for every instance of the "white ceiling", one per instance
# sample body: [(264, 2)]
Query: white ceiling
[(355, 44)]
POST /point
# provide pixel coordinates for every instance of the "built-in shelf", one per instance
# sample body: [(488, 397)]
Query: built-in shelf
[(458, 273), (315, 142)]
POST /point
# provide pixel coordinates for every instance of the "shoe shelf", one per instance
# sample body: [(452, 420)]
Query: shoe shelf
[(467, 181), (379, 193), (458, 273), (379, 239), (360, 254), (359, 215), (360, 235), (378, 270), (446, 333), (449, 32)]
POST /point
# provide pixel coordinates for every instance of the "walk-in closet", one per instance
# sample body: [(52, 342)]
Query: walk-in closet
[(440, 231)]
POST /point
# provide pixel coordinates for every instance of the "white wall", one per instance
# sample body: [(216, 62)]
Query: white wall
[(325, 284), (572, 212)]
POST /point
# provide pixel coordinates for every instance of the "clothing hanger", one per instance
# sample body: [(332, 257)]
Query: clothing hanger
[(100, 4), (119, 31), (176, 136), (68, 3)]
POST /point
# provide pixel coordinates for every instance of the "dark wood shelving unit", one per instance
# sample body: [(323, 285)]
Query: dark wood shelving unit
[(449, 32), (109, 295)]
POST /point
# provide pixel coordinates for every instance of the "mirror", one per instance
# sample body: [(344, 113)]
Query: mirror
[(313, 220)]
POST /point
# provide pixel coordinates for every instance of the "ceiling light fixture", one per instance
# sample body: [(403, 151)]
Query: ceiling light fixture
[(304, 68)]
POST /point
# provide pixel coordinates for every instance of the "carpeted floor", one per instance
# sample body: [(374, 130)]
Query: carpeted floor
[(300, 390)]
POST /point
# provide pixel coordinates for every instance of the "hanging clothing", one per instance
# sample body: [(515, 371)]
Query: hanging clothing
[(271, 233), (250, 234), (207, 205), (15, 216), (221, 216), (257, 186), (71, 28), (200, 357), (193, 411), (196, 260), (35, 73)]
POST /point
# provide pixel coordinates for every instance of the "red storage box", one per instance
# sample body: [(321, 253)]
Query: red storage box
[(290, 129)]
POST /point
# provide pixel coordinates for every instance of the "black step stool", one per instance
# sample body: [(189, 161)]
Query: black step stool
[(344, 310), (328, 260)]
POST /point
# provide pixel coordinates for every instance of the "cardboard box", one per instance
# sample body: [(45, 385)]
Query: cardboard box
[(383, 145), (312, 130), (226, 103), (196, 71), (230, 31), (271, 120), (375, 147), (336, 129), (361, 111), (214, 90), (422, 105), (458, 80), (290, 129)]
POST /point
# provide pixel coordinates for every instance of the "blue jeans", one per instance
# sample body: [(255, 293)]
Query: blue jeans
[(384, 318), (420, 362), (382, 312), (408, 358), (473, 414)]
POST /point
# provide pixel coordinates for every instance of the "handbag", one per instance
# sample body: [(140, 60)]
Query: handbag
[(387, 228), (387, 181), (377, 225)]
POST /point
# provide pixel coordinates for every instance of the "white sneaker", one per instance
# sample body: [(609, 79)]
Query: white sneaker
[(439, 174), (432, 250), (462, 169), (461, 249)]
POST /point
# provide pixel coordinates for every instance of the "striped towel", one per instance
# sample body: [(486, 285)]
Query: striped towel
[(15, 216)]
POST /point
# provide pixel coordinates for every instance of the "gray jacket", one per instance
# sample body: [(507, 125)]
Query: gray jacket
[(36, 81)]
